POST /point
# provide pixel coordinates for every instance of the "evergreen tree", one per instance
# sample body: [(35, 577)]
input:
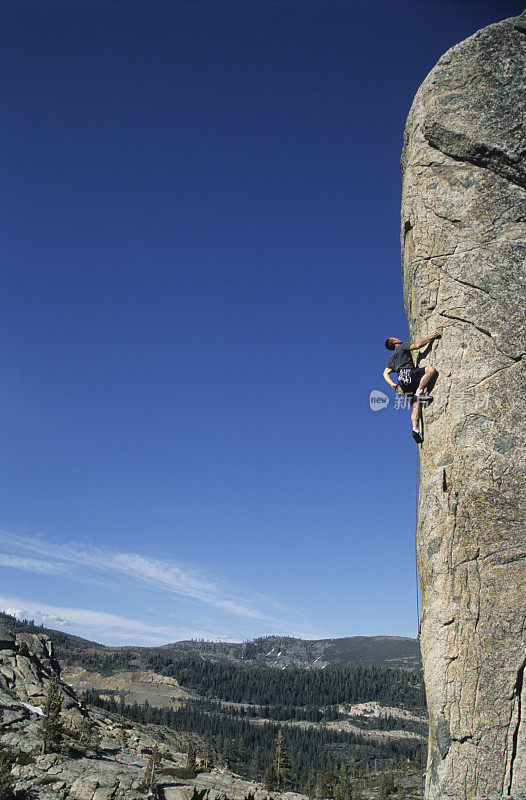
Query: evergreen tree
[(6, 780), (357, 791), (50, 728), (154, 762), (270, 778), (353, 768), (284, 766), (85, 728), (208, 759), (387, 785), (95, 738), (343, 789), (191, 763), (89, 734), (310, 785), (328, 784)]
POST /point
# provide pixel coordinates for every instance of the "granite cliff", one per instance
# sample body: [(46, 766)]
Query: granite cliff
[(463, 250)]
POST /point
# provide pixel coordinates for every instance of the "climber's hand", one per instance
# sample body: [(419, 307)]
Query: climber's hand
[(436, 335)]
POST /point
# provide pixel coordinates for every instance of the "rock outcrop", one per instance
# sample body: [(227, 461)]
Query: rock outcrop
[(78, 771), (463, 250)]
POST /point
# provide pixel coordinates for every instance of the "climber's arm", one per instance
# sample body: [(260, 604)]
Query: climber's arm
[(387, 377), (426, 340)]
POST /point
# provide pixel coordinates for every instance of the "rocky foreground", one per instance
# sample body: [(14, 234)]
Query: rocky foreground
[(112, 764)]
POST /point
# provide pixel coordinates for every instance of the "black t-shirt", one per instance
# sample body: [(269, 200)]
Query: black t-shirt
[(401, 358)]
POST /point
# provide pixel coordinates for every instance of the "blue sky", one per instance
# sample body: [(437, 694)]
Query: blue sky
[(200, 266)]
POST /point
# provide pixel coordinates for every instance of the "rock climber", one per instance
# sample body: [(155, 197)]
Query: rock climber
[(411, 380)]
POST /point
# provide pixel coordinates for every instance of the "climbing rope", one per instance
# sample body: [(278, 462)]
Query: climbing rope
[(418, 625)]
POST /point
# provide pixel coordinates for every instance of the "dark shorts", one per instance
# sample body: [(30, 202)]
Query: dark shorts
[(409, 380)]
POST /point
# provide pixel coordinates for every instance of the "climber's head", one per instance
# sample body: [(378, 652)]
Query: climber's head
[(392, 342)]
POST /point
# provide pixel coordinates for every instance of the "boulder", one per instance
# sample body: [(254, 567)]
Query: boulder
[(463, 252), (39, 647), (83, 788), (178, 792), (7, 638)]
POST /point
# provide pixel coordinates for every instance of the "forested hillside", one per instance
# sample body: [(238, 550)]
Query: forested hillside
[(239, 708), (292, 688)]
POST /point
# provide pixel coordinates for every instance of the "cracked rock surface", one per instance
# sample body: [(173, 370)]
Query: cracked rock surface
[(463, 251)]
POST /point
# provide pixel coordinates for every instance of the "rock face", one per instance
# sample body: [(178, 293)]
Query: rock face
[(463, 250)]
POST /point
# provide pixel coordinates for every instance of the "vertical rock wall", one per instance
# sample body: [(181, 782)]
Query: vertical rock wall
[(464, 250)]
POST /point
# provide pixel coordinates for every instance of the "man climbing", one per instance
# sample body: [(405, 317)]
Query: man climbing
[(411, 380)]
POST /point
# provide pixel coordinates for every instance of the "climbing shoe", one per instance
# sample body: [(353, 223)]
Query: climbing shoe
[(416, 436)]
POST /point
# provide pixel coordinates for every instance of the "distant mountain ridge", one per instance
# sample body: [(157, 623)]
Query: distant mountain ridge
[(282, 652), (287, 652)]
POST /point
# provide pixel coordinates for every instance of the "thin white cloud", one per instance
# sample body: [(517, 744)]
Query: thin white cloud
[(30, 564), (114, 629), (95, 623), (167, 575), (161, 574)]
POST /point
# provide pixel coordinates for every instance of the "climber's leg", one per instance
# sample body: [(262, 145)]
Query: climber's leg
[(427, 377), (415, 420)]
